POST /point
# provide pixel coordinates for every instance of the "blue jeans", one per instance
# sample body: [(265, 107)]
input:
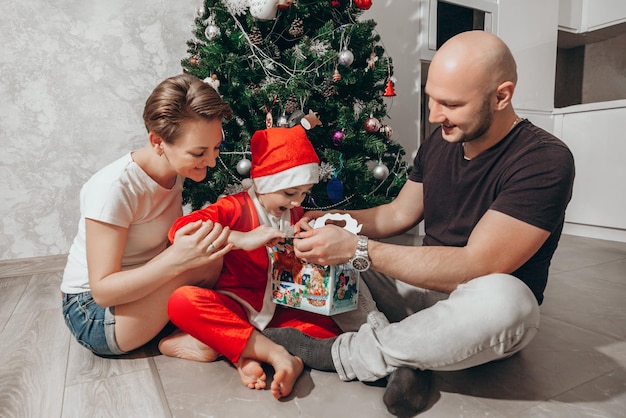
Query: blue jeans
[(489, 318), (92, 325)]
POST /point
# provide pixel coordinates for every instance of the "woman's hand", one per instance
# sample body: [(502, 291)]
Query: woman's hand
[(199, 243)]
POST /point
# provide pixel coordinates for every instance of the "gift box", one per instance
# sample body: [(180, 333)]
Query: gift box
[(325, 290)]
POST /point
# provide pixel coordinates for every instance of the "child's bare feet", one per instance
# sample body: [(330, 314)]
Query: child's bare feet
[(182, 345), (287, 370), (251, 374)]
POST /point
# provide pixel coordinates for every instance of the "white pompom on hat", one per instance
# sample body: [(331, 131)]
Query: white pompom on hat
[(282, 158)]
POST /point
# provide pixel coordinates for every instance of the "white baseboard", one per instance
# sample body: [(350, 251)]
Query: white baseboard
[(597, 232)]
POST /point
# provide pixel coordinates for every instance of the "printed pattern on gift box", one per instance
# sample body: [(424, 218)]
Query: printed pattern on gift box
[(325, 290)]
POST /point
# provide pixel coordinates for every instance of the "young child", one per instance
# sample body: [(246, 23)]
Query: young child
[(229, 318)]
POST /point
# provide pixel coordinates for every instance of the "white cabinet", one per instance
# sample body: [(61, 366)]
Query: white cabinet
[(593, 135), (588, 15)]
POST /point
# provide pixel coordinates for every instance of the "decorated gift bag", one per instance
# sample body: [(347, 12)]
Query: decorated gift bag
[(326, 290)]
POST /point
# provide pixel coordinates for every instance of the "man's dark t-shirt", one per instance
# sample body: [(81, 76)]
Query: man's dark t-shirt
[(528, 175)]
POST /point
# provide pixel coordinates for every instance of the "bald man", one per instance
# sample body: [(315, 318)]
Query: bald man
[(492, 190)]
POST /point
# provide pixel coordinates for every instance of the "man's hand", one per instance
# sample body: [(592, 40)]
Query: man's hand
[(329, 245)]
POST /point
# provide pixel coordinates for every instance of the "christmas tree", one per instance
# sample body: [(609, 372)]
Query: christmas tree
[(280, 63)]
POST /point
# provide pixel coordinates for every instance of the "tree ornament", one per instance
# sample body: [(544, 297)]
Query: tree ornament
[(244, 166), (328, 88), (213, 82), (311, 120), (363, 4), (256, 37), (336, 75), (372, 124), (326, 171), (282, 120), (389, 91), (335, 3), (297, 28), (380, 172), (237, 7), (371, 61), (284, 4), (334, 189), (269, 120), (211, 31), (295, 118), (263, 9), (346, 57), (291, 105), (338, 137), (386, 130), (194, 60)]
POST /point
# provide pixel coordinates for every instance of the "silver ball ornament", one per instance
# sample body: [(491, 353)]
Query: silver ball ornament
[(212, 31), (380, 172), (282, 121), (244, 166), (346, 57)]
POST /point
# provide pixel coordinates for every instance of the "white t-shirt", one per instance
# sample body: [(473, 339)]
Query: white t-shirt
[(122, 194)]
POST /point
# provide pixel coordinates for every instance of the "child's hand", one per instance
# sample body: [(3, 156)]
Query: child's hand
[(258, 237)]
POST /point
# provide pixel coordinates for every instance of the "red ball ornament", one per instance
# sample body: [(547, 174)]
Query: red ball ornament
[(372, 125), (284, 4), (334, 3), (363, 4)]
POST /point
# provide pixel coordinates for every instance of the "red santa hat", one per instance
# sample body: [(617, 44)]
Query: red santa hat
[(282, 158)]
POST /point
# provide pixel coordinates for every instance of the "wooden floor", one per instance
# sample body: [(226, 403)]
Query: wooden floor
[(575, 367)]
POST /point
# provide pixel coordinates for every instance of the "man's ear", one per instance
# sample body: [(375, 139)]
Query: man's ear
[(156, 142), (504, 94)]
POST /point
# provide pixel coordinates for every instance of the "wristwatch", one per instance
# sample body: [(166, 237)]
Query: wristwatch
[(361, 260)]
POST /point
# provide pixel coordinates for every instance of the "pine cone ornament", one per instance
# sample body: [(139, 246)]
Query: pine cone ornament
[(256, 37), (291, 105), (296, 28), (328, 88)]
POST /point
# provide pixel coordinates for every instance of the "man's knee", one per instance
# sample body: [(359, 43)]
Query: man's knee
[(507, 297)]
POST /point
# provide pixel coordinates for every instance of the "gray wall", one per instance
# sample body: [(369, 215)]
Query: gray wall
[(74, 76)]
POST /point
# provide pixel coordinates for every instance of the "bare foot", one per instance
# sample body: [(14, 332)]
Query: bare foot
[(182, 345), (251, 374), (287, 370)]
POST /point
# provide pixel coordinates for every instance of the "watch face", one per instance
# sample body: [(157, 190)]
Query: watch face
[(360, 263)]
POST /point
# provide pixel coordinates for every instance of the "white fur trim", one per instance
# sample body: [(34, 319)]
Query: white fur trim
[(292, 177)]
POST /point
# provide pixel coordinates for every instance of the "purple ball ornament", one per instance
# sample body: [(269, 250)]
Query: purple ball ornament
[(338, 137)]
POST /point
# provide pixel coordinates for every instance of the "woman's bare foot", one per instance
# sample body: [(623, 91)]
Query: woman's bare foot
[(251, 374), (287, 370), (182, 345)]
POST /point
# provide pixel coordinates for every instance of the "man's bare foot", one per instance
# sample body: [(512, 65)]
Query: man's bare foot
[(182, 345), (287, 370), (251, 374)]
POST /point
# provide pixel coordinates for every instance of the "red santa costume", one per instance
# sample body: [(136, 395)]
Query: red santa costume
[(225, 316)]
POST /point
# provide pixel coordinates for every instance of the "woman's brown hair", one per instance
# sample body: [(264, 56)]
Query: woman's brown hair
[(180, 99)]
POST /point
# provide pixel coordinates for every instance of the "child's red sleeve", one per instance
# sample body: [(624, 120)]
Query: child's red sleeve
[(199, 215)]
